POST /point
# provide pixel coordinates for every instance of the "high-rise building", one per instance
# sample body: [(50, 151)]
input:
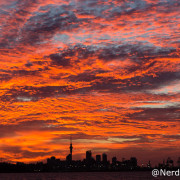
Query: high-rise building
[(133, 161), (104, 158), (69, 156), (88, 156), (71, 147), (98, 158), (114, 160)]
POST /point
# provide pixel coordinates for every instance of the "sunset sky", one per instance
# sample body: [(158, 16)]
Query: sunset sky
[(106, 72)]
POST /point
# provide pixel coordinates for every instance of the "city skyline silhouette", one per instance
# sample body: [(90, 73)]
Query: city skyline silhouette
[(98, 164), (106, 72)]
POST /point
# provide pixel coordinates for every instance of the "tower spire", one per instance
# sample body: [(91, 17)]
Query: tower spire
[(71, 147)]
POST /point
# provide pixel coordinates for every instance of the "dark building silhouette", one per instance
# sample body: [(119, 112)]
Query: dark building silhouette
[(133, 162), (69, 156), (105, 162), (130, 164), (162, 165), (149, 164), (114, 160), (169, 162), (98, 158), (104, 158), (71, 147), (88, 156), (89, 159), (52, 163)]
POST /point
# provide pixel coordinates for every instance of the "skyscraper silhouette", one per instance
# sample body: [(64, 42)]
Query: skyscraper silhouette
[(104, 158), (69, 156), (88, 156), (98, 158), (71, 147)]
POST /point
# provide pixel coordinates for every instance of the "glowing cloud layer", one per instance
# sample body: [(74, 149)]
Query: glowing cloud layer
[(105, 72)]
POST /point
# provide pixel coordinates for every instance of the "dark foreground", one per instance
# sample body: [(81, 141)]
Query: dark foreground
[(83, 176)]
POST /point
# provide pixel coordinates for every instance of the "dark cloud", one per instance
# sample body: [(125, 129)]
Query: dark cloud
[(149, 82), (138, 52), (33, 93), (11, 129), (51, 19), (76, 136), (169, 114), (39, 27), (128, 8), (66, 56), (45, 24), (136, 84), (4, 77), (168, 6), (25, 153), (98, 83), (15, 17), (28, 64), (59, 60), (24, 72), (131, 8), (172, 136), (86, 77), (32, 125)]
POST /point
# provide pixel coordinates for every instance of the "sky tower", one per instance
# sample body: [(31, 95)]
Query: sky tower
[(71, 147)]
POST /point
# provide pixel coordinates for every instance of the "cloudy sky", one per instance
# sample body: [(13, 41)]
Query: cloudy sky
[(104, 71)]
